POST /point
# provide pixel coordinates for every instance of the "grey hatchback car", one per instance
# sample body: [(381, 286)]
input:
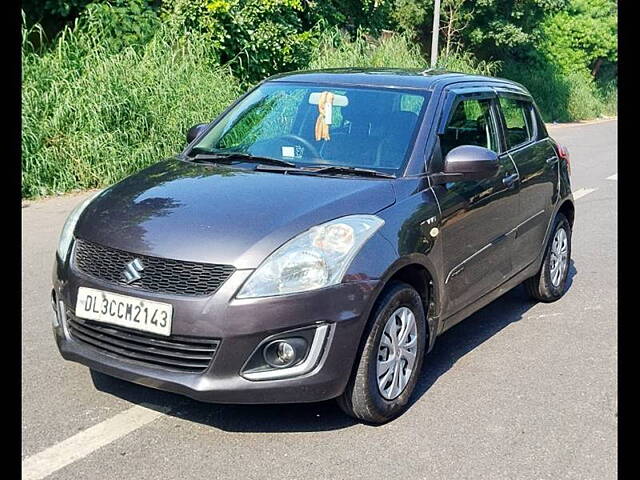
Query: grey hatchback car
[(313, 241)]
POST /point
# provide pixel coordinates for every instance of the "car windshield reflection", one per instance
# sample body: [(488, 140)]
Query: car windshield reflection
[(354, 127)]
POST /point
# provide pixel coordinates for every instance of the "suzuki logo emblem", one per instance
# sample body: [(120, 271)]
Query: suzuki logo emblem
[(132, 270)]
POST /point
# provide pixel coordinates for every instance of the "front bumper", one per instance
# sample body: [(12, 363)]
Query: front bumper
[(241, 325)]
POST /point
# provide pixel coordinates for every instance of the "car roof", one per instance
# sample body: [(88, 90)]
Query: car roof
[(428, 79)]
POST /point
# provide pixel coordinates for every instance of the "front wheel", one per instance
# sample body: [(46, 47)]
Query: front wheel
[(550, 283), (391, 359)]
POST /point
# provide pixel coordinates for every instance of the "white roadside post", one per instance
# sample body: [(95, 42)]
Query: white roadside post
[(435, 33)]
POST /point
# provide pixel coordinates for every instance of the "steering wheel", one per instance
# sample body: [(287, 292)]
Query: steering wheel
[(305, 143)]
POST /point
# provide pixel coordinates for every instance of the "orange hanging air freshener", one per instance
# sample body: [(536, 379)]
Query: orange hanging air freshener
[(325, 106)]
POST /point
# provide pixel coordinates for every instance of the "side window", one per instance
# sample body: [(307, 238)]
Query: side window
[(518, 119), (542, 129), (470, 124)]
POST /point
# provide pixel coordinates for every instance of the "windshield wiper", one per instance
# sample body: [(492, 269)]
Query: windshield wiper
[(245, 157), (210, 158), (353, 171), (262, 162)]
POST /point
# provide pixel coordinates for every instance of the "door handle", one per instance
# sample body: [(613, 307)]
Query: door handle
[(509, 180), (552, 160)]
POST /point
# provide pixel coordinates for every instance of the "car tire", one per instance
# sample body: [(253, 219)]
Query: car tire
[(549, 284), (363, 398)]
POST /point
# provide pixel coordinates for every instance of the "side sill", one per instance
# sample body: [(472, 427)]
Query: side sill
[(514, 281)]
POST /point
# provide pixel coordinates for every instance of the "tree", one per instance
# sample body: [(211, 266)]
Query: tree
[(365, 15), (582, 36), (491, 29), (508, 29), (456, 16)]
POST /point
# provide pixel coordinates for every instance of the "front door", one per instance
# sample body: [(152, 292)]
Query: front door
[(478, 217)]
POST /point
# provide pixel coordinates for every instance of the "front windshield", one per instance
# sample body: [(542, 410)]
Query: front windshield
[(321, 126)]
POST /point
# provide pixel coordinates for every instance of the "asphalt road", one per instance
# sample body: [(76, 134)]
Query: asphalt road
[(518, 390)]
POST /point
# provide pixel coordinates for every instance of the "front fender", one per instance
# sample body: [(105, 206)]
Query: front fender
[(407, 239)]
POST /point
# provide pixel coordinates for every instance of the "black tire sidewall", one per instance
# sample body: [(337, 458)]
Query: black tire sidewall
[(400, 296)]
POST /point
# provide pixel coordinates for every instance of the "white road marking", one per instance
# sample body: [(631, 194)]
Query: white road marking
[(613, 177), (582, 192), (544, 315), (86, 442)]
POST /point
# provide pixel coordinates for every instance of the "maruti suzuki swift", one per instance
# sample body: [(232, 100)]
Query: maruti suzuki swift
[(313, 241)]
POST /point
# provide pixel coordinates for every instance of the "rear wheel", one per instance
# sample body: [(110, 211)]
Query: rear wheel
[(390, 363), (550, 283)]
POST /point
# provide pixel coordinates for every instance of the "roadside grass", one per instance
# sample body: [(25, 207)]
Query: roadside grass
[(93, 114), (564, 97), (336, 49)]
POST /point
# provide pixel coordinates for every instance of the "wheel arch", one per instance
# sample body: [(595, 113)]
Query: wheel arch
[(568, 209), (416, 271)]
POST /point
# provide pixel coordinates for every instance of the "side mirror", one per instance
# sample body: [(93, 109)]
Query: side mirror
[(469, 162), (194, 131)]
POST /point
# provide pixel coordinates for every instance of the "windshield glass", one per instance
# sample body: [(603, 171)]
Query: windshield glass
[(321, 126)]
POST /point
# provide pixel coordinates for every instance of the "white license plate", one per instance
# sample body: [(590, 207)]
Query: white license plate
[(130, 312)]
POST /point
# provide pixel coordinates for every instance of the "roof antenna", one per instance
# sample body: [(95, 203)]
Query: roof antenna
[(426, 71)]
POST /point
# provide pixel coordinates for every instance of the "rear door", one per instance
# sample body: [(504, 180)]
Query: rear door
[(477, 216), (535, 158)]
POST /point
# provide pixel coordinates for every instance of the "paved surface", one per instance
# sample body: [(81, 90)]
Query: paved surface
[(518, 390)]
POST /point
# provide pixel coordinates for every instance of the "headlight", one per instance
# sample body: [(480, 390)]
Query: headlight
[(314, 259), (66, 236)]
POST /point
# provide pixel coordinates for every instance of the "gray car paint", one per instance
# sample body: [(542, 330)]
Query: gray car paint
[(225, 215)]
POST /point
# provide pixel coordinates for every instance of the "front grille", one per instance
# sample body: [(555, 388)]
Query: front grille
[(184, 354), (159, 274)]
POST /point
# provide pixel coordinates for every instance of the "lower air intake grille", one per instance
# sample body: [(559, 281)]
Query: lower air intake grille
[(184, 354)]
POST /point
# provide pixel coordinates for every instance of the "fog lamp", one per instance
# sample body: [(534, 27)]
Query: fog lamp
[(285, 352)]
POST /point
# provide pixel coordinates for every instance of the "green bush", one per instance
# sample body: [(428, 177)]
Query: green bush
[(370, 15), (256, 37), (465, 62), (120, 23), (584, 36), (91, 116), (337, 49), (610, 98), (563, 97), (116, 91)]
